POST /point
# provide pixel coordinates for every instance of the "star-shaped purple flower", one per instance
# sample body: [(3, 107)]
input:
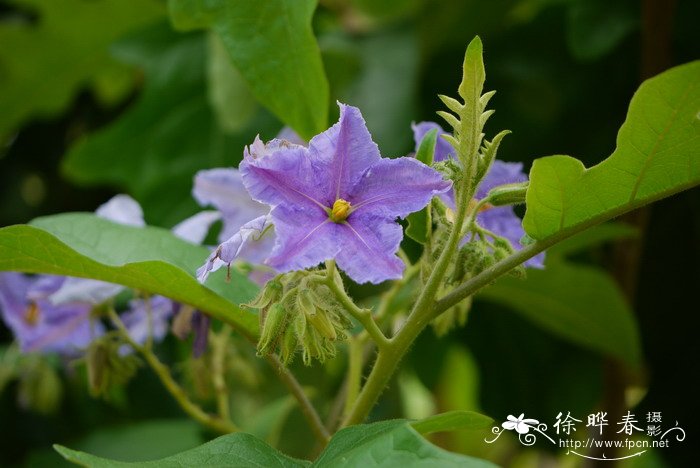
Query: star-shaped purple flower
[(339, 199), (500, 220)]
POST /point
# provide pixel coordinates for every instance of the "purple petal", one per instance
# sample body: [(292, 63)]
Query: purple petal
[(500, 173), (195, 228), (396, 187), (346, 151), (13, 296), (136, 318), (443, 149), (200, 328), (368, 248), (122, 209), (303, 239), (86, 291), (285, 176), (504, 222), (224, 190), (253, 243)]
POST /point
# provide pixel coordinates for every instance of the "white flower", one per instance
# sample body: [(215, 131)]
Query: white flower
[(522, 426)]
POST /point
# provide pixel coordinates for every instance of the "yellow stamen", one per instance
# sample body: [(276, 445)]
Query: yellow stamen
[(31, 315), (340, 211), (474, 201)]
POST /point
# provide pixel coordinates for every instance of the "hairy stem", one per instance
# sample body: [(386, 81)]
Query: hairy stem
[(364, 316), (161, 370)]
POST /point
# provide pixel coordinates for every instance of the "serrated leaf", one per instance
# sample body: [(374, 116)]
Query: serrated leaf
[(420, 223), (581, 304), (656, 156), (150, 259), (473, 77), (272, 45), (240, 450), (389, 443), (452, 421), (50, 48)]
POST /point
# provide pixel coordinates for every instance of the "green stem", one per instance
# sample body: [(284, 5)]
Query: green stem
[(307, 409), (219, 342), (163, 373), (364, 316), (355, 358)]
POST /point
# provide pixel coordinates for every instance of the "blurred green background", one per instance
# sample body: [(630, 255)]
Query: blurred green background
[(102, 96)]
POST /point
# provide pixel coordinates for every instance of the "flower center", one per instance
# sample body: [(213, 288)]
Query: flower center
[(340, 211), (31, 315)]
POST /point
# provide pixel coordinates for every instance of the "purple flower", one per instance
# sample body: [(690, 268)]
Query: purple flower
[(500, 220), (339, 200), (37, 323), (136, 319)]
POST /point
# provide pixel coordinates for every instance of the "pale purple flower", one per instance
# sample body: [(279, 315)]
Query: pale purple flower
[(521, 425), (136, 318), (500, 220), (37, 323), (339, 200), (252, 242)]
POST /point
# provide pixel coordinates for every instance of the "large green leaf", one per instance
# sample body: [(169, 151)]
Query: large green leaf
[(272, 45), (239, 450), (656, 156), (155, 148), (43, 64), (150, 259), (452, 421), (386, 443), (389, 443), (579, 303)]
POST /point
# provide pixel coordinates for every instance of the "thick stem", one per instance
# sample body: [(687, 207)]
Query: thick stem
[(354, 382)]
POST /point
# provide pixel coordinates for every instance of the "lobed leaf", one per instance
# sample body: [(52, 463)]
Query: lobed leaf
[(656, 156)]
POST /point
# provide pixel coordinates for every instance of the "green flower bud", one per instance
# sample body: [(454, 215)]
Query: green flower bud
[(40, 388), (510, 194), (274, 325)]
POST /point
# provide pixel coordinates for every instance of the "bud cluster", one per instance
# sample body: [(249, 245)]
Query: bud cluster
[(297, 312), (110, 362)]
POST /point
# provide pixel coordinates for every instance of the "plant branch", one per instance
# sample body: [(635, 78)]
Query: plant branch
[(219, 343), (307, 409), (192, 409)]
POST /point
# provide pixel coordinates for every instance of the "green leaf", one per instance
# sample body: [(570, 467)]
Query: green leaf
[(49, 48), (229, 96), (388, 443), (473, 77), (578, 303), (452, 421), (150, 259), (240, 450), (596, 235), (144, 440), (153, 150), (656, 156), (419, 223), (272, 45)]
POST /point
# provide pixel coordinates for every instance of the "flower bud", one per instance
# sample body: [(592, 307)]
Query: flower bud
[(510, 194), (272, 328)]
